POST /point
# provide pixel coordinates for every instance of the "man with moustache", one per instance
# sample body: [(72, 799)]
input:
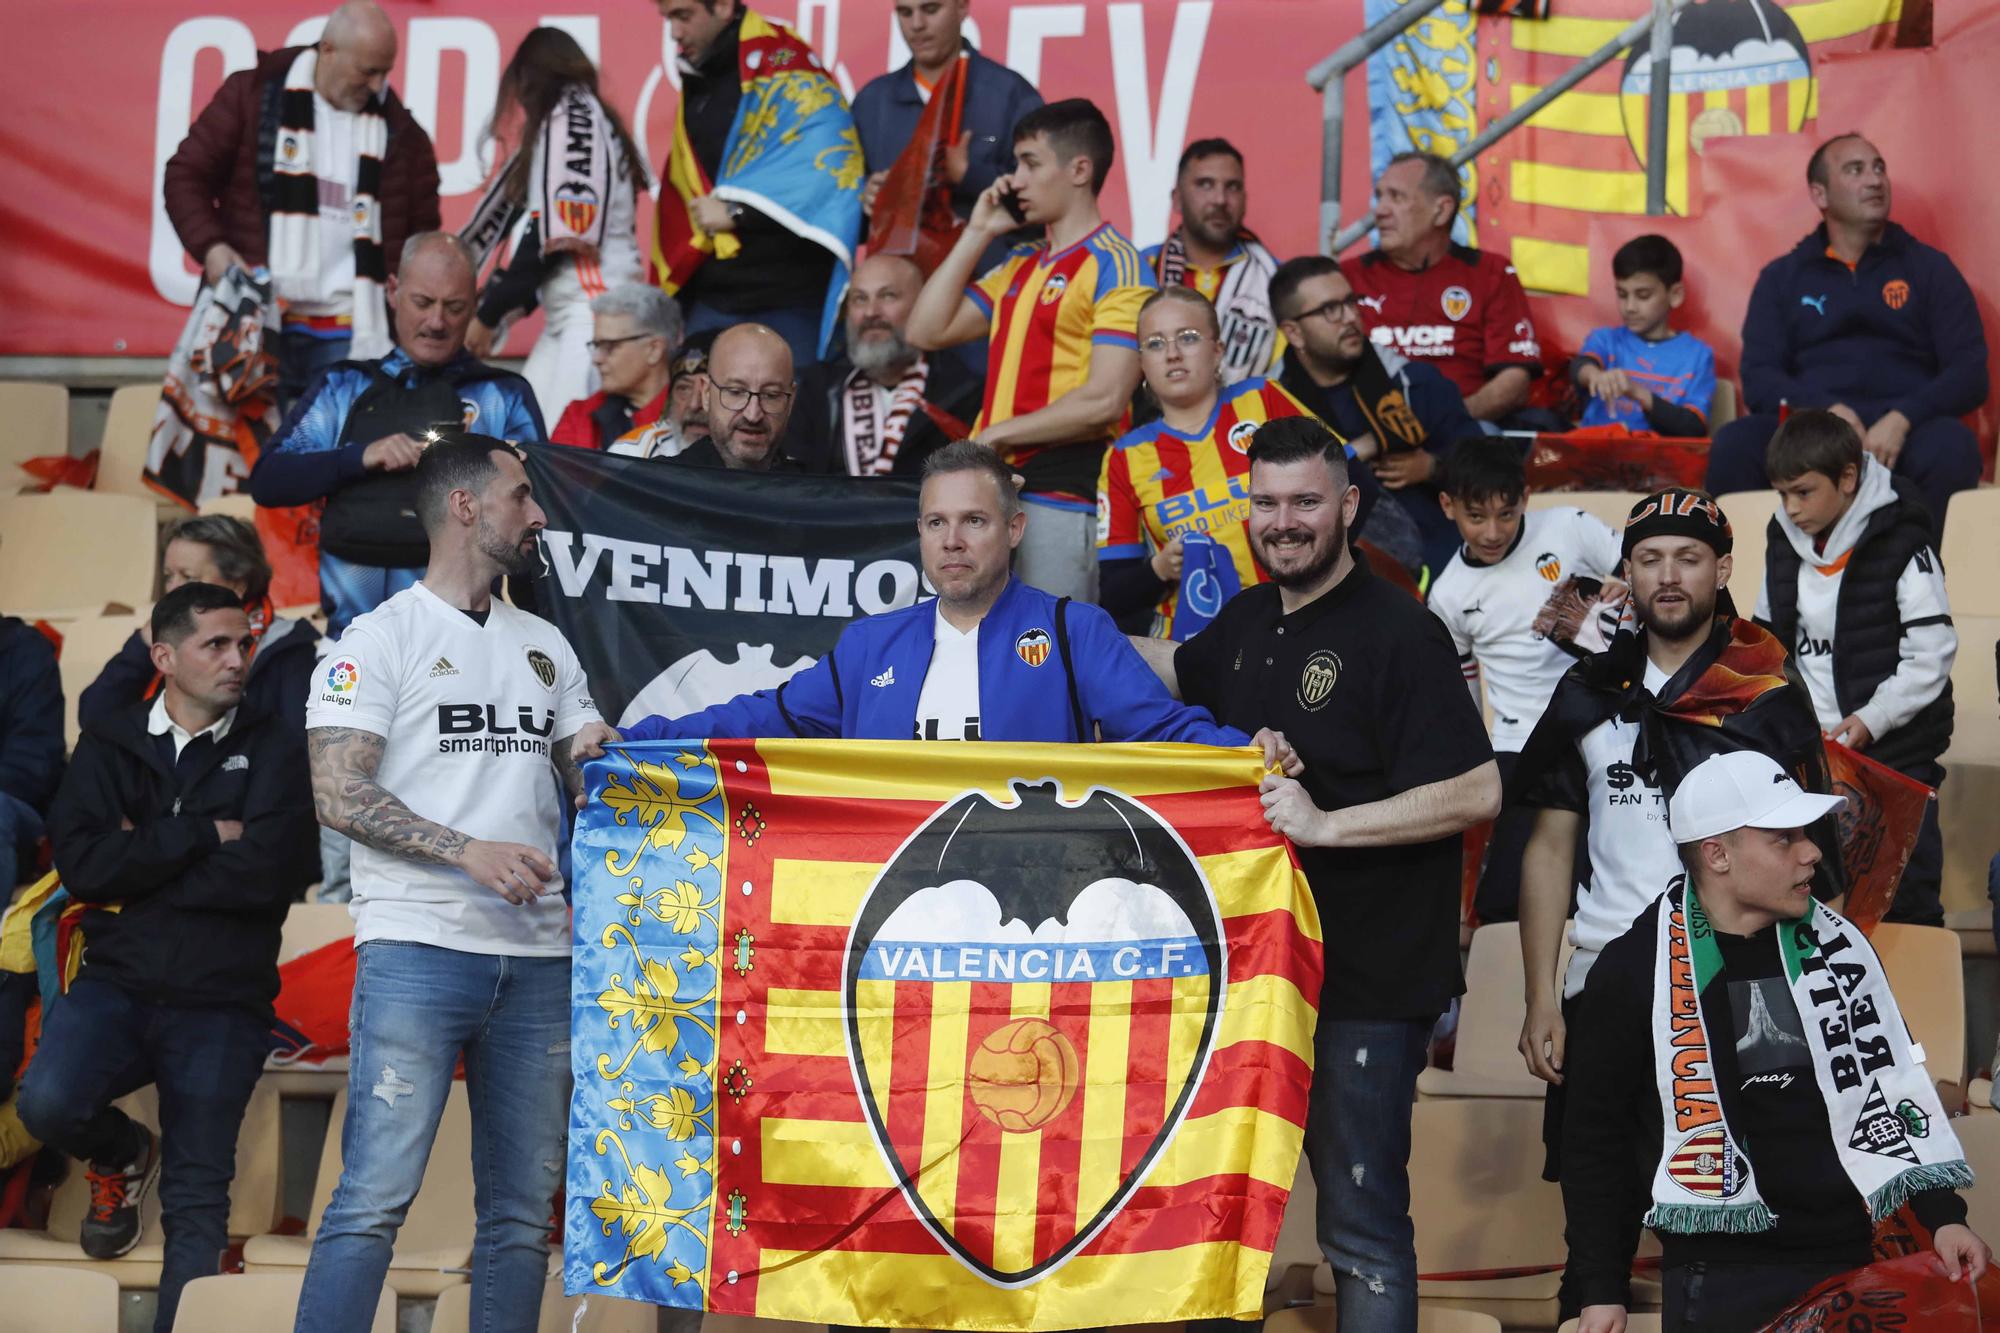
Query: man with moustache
[(1622, 729), (884, 407), (1212, 252), (749, 393), (1364, 683)]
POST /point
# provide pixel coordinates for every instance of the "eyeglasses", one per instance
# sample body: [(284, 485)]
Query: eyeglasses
[(1187, 340), (597, 345), (735, 397), (1343, 307)]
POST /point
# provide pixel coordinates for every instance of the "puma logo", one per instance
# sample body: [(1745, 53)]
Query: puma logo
[(1818, 303)]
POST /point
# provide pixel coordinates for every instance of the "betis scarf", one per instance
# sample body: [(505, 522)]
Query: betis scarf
[(913, 214), (792, 154), (1889, 1128), (294, 225)]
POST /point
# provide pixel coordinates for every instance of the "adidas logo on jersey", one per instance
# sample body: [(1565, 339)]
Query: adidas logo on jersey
[(443, 667), (888, 677)]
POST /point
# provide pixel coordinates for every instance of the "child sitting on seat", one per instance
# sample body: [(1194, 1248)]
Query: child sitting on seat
[(1642, 374)]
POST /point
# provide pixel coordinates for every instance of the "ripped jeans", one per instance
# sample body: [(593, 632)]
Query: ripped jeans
[(416, 1007), (1358, 1142)]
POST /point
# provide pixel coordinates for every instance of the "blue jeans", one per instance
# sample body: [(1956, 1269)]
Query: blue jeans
[(1358, 1143), (301, 356), (416, 1007), (101, 1042), (798, 325)]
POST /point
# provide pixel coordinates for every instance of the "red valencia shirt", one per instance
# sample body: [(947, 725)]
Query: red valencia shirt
[(1465, 314)]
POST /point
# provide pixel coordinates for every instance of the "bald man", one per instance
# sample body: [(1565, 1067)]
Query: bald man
[(286, 139), (356, 434), (749, 394), (885, 406)]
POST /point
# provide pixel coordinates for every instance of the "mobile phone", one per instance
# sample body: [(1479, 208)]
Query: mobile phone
[(1012, 203)]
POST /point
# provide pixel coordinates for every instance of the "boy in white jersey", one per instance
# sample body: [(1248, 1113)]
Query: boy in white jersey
[(1527, 594), (1850, 542), (436, 731)]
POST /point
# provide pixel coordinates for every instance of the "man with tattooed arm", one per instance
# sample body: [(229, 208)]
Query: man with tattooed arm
[(431, 730)]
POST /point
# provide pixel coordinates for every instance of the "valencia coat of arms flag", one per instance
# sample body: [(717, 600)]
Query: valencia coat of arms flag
[(935, 1036)]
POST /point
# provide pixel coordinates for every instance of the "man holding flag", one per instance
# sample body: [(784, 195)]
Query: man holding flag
[(760, 204)]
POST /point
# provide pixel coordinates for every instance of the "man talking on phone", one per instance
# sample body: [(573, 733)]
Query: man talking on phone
[(1062, 317)]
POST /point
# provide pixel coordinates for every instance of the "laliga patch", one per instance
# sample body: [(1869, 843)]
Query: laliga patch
[(1241, 434), (544, 668), (1549, 566), (1033, 647), (1316, 682), (1456, 302), (1053, 289), (1103, 517), (343, 677)]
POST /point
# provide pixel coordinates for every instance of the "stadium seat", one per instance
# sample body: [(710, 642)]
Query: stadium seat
[(253, 1200), (1614, 507), (1723, 408), (1634, 1323), (1972, 553), (435, 1244), (1975, 728), (605, 1315), (75, 548), (257, 1303), (1479, 1204), (1979, 1136), (128, 433), (37, 417), (1979, 1097), (52, 1298), (1488, 1059), (88, 643), (309, 926), (1749, 516), (1927, 976), (736, 1323), (236, 504), (1430, 1319)]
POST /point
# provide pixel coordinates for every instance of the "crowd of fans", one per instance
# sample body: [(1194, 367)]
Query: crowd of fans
[(1276, 453)]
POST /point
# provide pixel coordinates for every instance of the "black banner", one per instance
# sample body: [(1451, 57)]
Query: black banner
[(682, 586)]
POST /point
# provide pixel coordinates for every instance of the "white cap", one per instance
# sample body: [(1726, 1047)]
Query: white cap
[(1742, 789)]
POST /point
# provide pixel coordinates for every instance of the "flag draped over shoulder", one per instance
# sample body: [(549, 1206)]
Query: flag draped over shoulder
[(792, 154), (935, 1036)]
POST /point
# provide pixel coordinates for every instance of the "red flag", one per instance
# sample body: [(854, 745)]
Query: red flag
[(1878, 829), (912, 214), (1612, 458), (1911, 1292)]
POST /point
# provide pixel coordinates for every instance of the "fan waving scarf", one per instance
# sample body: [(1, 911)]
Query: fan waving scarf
[(935, 1036)]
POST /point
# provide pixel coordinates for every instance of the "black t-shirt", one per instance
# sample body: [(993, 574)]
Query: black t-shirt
[(1366, 685)]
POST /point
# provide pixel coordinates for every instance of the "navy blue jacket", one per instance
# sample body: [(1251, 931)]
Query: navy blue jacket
[(279, 679), (868, 687), (1899, 333), (887, 109), (31, 716)]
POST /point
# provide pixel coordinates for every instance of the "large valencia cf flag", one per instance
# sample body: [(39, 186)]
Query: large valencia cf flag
[(962, 1036)]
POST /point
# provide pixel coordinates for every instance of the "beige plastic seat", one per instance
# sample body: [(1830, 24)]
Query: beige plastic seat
[(1749, 516), (434, 1247), (605, 1315), (54, 1298), (257, 1303), (253, 1200), (1979, 1097), (1296, 1252), (1971, 554), (1975, 730), (88, 644), (1927, 976), (736, 1323), (1614, 507), (1488, 1059), (1479, 1203), (75, 548), (37, 424), (128, 433), (1725, 407), (1979, 1136), (310, 926), (237, 504), (1430, 1319), (1634, 1323)]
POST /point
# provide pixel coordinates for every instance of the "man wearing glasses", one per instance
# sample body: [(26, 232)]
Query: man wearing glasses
[(749, 397), (1400, 416)]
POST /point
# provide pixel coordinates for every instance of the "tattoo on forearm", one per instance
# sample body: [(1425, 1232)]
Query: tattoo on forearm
[(349, 800), (566, 766)]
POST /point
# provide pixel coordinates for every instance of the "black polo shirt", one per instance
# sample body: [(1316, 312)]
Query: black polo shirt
[(1366, 685)]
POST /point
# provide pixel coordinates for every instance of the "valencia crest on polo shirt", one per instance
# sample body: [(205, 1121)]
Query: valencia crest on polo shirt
[(1316, 682), (1033, 646)]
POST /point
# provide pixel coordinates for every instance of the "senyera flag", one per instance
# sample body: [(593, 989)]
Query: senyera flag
[(935, 1036)]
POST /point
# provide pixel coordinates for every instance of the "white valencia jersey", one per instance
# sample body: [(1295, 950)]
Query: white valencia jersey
[(469, 713), (1491, 612)]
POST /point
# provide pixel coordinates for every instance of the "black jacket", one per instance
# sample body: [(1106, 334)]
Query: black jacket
[(280, 676), (1868, 637), (198, 919), (31, 715), (815, 436)]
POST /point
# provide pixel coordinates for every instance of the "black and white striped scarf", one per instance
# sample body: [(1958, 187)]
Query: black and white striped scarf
[(294, 228)]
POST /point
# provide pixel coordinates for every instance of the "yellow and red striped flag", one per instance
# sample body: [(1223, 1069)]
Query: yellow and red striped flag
[(935, 1036)]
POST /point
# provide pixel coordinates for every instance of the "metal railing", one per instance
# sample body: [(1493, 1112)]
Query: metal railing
[(1329, 79)]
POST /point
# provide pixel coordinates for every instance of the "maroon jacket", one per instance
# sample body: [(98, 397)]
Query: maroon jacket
[(219, 181)]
